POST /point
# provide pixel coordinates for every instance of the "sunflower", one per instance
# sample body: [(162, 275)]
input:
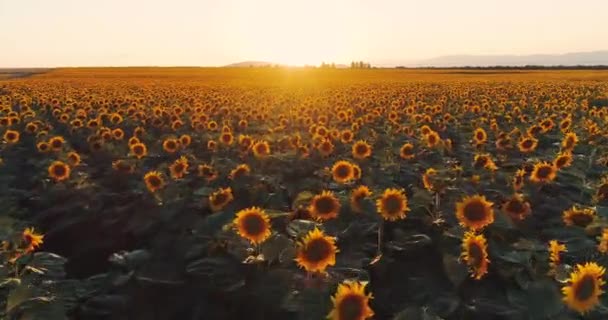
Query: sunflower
[(133, 140), (519, 179), (432, 139), (240, 171), (211, 145), (123, 166), (179, 168), (342, 171), (56, 143), (475, 254), (253, 224), (480, 136), (563, 160), (475, 212), (602, 247), (324, 206), (392, 205), (555, 249), (11, 136), (543, 172), (154, 181), (316, 251), (59, 171), (206, 171), (245, 141), (31, 239), (570, 140), (325, 147), (527, 144), (185, 140), (220, 198), (43, 147), (361, 149), (170, 145), (227, 138), (139, 150), (118, 134), (350, 302), (427, 178), (357, 196), (261, 149), (407, 151), (517, 208), (578, 217), (584, 288), (346, 136), (73, 158), (484, 161)]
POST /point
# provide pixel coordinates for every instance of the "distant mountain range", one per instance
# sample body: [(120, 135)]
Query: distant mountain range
[(568, 59)]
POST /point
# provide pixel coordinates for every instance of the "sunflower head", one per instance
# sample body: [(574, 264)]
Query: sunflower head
[(56, 143), (357, 196), (171, 145), (325, 147), (351, 302), (139, 150), (31, 239), (179, 168), (569, 141), (206, 171), (59, 171), (342, 171), (581, 217), (543, 172), (185, 140), (527, 144), (475, 254), (475, 212), (73, 158), (220, 198), (123, 166), (582, 292), (324, 206), (227, 138), (261, 149), (432, 139), (517, 208), (563, 160), (427, 178), (253, 224), (407, 151), (316, 251), (11, 136), (392, 205), (154, 181), (602, 247), (361, 149), (480, 136), (555, 250), (240, 171), (519, 179)]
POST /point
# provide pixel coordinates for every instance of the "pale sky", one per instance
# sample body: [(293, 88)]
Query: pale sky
[(51, 33)]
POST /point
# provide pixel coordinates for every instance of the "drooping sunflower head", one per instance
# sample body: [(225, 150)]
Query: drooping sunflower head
[(361, 149), (261, 149), (407, 151), (253, 224), (59, 171), (581, 217), (356, 171), (342, 171), (139, 150), (351, 302), (563, 160), (602, 247), (179, 168), (154, 181), (475, 212), (555, 250), (517, 208), (240, 171), (475, 254), (569, 141), (584, 288), (427, 178), (527, 144), (543, 172), (31, 239), (316, 251), (392, 205), (324, 206), (357, 196), (220, 198)]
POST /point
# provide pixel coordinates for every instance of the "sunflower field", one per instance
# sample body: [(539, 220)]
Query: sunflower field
[(275, 193)]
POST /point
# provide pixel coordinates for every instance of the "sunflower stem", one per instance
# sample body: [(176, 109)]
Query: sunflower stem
[(380, 237)]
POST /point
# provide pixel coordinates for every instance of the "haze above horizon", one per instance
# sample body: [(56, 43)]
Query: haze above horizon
[(37, 33)]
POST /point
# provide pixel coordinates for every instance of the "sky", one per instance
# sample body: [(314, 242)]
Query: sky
[(54, 33)]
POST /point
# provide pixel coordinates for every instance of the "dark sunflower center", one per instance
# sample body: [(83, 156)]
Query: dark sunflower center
[(154, 181), (406, 150), (226, 138), (561, 161), (220, 198), (317, 250), (475, 255), (432, 138), (585, 288), (515, 206), (56, 144), (480, 136), (481, 161), (475, 211), (179, 167), (581, 219), (343, 171), (138, 149), (261, 148), (527, 144), (59, 170), (254, 225), (544, 172), (392, 204), (361, 149), (325, 205), (351, 307)]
